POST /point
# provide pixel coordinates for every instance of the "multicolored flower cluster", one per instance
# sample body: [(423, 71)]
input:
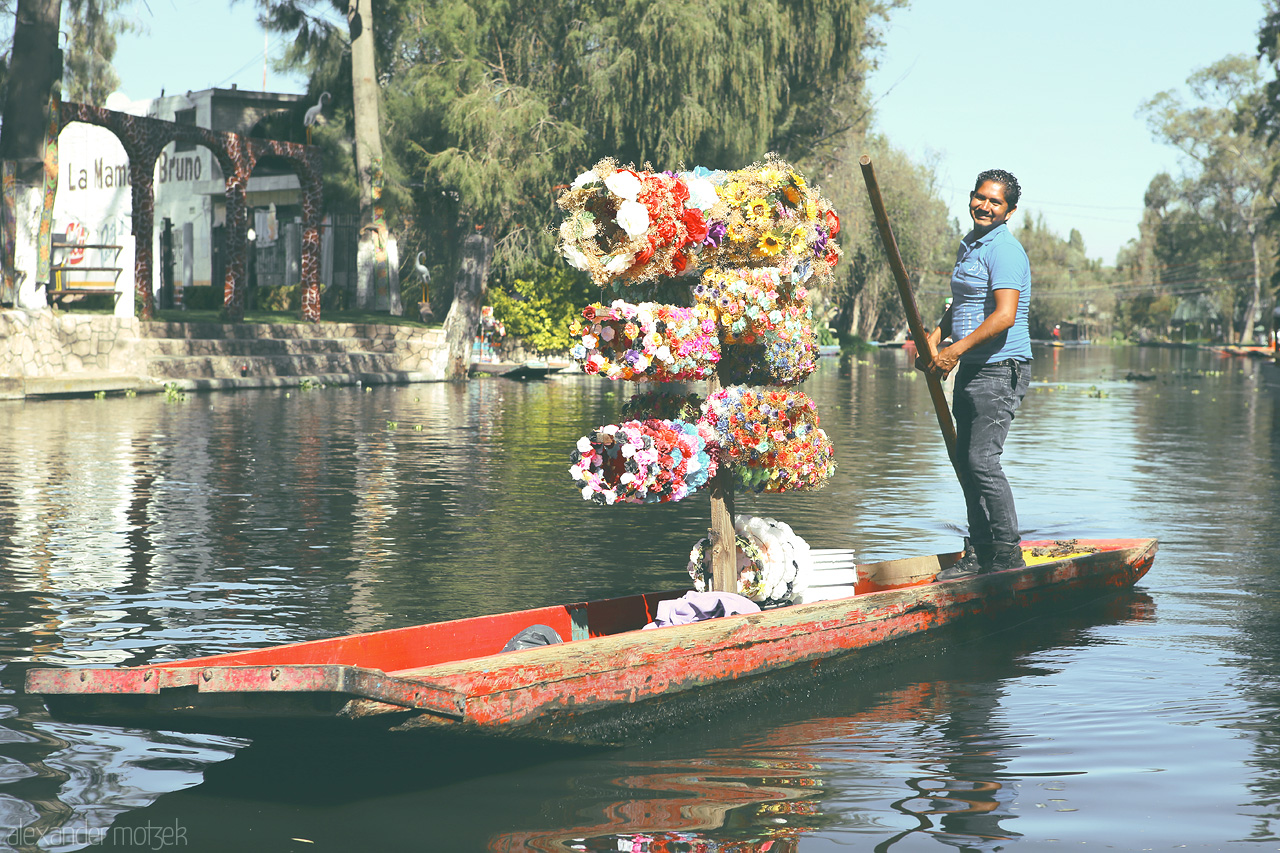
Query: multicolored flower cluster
[(664, 343), (626, 226), (762, 233), (650, 461), (772, 438), (767, 319), (772, 217)]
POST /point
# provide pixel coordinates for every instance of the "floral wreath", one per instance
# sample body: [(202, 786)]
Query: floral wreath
[(625, 225), (664, 343), (766, 316), (772, 438), (778, 359), (750, 566), (650, 461), (772, 217), (786, 559)]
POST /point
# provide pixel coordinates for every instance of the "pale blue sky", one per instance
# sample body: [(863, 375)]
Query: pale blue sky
[(197, 44), (1049, 90), (1045, 89)]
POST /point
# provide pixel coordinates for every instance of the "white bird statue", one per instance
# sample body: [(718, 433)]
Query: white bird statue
[(424, 276), (314, 115)]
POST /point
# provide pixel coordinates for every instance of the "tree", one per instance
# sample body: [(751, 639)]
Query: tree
[(1069, 287), (1222, 202), (498, 104), (93, 25), (332, 59), (864, 292), (29, 88), (1174, 260), (376, 256), (490, 105)]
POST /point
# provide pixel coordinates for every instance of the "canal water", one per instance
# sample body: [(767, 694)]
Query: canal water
[(137, 530)]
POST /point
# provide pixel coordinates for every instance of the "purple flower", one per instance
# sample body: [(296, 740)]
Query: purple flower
[(715, 234)]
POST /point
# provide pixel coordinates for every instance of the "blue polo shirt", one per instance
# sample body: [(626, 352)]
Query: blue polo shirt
[(992, 262)]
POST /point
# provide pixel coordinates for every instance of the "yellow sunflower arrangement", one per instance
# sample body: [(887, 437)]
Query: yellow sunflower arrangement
[(773, 218)]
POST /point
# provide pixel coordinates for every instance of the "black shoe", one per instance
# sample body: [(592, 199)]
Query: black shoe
[(965, 567), (1005, 557)]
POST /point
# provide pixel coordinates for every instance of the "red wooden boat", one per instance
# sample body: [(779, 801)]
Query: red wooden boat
[(608, 678)]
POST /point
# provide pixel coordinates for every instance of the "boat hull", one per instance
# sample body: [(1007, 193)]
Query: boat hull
[(598, 688)]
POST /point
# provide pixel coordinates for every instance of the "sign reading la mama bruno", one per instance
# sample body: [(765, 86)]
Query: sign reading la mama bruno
[(100, 174)]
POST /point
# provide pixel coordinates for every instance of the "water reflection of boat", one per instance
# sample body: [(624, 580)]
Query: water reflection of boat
[(778, 783), (609, 680), (1241, 350), (520, 370), (786, 767)]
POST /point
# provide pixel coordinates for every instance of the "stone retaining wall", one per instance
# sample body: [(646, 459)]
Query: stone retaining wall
[(43, 353), (41, 344)]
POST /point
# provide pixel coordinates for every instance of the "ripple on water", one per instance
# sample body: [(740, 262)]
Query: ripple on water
[(153, 531)]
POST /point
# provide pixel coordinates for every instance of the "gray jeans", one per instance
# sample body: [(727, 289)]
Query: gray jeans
[(986, 398)]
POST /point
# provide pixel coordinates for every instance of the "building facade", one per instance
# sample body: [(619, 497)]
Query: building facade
[(92, 210)]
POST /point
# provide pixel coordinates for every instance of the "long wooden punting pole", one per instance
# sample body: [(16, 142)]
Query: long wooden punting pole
[(724, 542), (918, 333)]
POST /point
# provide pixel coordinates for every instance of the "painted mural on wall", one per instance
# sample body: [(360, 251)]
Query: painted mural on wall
[(92, 212)]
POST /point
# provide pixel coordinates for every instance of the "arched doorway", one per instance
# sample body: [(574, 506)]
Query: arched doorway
[(144, 138)]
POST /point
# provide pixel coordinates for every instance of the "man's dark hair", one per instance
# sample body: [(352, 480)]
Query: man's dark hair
[(1012, 192)]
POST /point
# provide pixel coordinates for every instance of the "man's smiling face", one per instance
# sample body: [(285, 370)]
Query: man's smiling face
[(988, 208)]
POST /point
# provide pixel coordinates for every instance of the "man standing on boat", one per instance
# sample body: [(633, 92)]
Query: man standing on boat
[(991, 353)]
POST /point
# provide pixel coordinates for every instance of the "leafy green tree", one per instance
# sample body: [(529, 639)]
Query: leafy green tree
[(864, 292), (88, 76), (1218, 210), (1174, 261), (539, 306), (1067, 285), (498, 104), (490, 106)]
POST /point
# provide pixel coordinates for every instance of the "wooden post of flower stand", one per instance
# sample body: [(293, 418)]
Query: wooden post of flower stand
[(724, 543)]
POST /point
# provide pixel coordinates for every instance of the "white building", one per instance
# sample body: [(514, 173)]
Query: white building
[(93, 206)]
